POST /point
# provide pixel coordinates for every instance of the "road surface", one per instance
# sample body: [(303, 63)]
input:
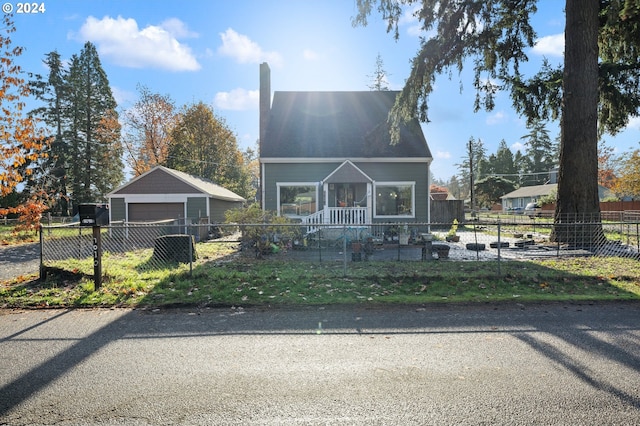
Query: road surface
[(560, 364)]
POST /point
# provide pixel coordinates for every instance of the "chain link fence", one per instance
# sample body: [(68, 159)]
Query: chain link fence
[(165, 245)]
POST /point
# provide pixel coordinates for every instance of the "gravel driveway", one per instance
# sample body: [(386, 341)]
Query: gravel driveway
[(23, 259)]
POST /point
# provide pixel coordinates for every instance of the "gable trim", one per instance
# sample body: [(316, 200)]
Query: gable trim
[(347, 164)]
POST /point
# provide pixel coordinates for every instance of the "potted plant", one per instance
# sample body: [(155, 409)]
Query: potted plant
[(452, 235)]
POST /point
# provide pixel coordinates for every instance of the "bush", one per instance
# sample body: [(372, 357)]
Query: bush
[(261, 228)]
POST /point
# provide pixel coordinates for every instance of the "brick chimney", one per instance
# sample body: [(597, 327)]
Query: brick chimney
[(265, 99)]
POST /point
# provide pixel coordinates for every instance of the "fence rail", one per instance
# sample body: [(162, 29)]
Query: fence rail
[(162, 245)]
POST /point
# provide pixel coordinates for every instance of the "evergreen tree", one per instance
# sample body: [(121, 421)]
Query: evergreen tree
[(379, 78), (93, 131), (541, 153), (474, 158), (53, 92), (504, 162)]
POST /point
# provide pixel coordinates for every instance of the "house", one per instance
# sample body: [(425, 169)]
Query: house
[(531, 194), (326, 157), (163, 193)]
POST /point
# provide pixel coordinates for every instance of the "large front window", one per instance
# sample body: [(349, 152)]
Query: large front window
[(395, 199), (297, 199)]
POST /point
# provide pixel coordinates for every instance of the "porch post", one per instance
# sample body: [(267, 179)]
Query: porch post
[(370, 202), (325, 207)]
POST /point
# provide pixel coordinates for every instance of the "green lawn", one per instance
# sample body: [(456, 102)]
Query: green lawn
[(222, 277)]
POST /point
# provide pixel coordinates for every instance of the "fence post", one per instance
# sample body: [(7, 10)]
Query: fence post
[(192, 246), (97, 256), (499, 247), (43, 273), (344, 248)]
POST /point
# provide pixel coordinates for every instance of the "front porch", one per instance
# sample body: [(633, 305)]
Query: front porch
[(339, 216)]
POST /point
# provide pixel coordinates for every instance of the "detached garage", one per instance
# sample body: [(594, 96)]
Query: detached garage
[(163, 193)]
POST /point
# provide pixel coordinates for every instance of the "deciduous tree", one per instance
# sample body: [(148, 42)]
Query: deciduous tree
[(22, 145), (148, 125), (203, 145)]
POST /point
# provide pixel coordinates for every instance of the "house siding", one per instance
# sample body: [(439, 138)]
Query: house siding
[(117, 209), (378, 171), (196, 207), (218, 208)]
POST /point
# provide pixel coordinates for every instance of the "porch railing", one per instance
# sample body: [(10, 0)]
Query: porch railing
[(336, 216)]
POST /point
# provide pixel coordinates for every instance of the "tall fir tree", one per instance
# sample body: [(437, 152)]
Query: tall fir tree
[(93, 132), (53, 92), (542, 153)]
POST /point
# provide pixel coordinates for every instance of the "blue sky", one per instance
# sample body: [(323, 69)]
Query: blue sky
[(210, 51)]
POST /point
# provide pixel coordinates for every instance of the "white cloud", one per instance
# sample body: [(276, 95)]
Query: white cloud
[(517, 147), (496, 118), (443, 155), (121, 41), (552, 45), (244, 50), (177, 28), (237, 99)]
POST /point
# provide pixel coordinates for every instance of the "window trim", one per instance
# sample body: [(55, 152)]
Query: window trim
[(281, 184), (412, 184)]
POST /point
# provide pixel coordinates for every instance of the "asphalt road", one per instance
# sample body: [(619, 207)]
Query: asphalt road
[(560, 364), (21, 259)]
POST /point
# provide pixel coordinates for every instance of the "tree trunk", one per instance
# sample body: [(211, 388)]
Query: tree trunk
[(577, 215)]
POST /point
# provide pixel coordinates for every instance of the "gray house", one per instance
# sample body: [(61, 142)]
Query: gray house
[(326, 157), (531, 194), (163, 193)]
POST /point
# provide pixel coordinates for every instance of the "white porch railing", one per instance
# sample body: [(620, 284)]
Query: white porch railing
[(336, 216)]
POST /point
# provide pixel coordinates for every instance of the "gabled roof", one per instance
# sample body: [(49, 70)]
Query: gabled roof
[(190, 182), (536, 191), (347, 172), (532, 191), (338, 125)]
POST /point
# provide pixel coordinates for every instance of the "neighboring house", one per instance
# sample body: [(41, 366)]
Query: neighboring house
[(163, 193), (531, 194), (326, 157)]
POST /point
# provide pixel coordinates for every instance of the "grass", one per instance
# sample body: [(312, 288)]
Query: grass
[(221, 277), (9, 237)]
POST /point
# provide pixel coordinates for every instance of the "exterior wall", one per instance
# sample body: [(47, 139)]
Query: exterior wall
[(218, 208), (196, 207), (378, 171), (117, 210)]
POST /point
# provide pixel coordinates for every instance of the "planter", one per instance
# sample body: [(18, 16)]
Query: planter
[(356, 247), (404, 239)]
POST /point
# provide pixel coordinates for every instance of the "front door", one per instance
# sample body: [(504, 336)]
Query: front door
[(345, 194)]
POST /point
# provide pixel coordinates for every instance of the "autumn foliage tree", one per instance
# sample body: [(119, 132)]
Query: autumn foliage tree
[(627, 183), (148, 125), (22, 145)]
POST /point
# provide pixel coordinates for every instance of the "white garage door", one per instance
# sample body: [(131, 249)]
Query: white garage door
[(149, 212)]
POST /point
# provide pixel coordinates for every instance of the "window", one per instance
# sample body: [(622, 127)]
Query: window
[(297, 199), (395, 199)]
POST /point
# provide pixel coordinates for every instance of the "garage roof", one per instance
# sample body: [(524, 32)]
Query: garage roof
[(163, 180)]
